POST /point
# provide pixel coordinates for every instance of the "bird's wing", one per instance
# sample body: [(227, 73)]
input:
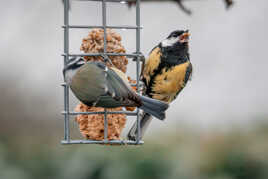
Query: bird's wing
[(151, 65), (189, 72), (88, 84), (120, 90)]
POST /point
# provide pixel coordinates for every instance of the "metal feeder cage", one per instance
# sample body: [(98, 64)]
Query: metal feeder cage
[(137, 57)]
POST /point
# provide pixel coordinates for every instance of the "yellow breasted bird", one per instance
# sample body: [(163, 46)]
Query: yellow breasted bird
[(165, 73)]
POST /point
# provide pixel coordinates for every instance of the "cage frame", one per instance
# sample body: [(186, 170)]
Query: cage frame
[(137, 57)]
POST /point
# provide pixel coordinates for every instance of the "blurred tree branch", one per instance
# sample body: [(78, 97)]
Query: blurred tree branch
[(228, 4)]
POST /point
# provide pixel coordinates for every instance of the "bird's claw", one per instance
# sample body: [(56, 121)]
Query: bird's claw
[(140, 56), (107, 59)]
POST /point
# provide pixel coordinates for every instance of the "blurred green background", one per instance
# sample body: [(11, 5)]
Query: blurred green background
[(216, 129), (237, 154)]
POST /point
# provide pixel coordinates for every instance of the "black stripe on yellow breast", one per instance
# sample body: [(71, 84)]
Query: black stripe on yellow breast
[(167, 84)]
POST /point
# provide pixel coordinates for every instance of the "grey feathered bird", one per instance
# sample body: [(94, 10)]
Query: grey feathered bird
[(94, 84)]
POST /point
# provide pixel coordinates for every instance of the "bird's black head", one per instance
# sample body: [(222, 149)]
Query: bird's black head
[(176, 33), (177, 42), (73, 64), (178, 37)]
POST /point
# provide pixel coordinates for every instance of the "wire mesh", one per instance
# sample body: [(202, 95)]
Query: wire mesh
[(136, 57)]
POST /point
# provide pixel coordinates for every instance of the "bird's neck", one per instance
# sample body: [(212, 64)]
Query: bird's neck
[(179, 50), (174, 56)]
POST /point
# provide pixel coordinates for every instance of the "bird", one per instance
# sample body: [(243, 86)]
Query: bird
[(95, 84), (165, 73)]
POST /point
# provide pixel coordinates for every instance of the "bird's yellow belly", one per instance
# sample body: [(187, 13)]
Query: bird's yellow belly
[(169, 83)]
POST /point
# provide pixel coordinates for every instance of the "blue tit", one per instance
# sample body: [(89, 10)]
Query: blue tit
[(165, 73), (94, 84)]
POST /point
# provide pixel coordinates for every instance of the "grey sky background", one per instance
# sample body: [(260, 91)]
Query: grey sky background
[(228, 52)]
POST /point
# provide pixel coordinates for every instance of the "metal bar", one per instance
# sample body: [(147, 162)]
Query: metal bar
[(104, 51), (138, 26), (138, 63), (66, 57), (120, 142), (66, 31), (65, 107), (105, 126), (101, 27), (101, 54), (128, 113), (132, 84), (104, 24), (65, 115)]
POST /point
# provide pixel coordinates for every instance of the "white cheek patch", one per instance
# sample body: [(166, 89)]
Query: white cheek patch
[(77, 61), (69, 75), (169, 42)]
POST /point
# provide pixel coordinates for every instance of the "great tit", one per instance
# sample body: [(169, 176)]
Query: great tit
[(165, 72), (94, 84)]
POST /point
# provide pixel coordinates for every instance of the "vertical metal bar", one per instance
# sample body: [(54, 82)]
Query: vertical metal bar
[(65, 116), (66, 57), (66, 31), (138, 63), (104, 51), (105, 125), (104, 25), (138, 26)]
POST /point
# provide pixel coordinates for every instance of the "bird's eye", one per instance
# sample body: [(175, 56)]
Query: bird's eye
[(176, 34)]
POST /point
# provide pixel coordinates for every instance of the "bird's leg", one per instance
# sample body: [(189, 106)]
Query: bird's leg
[(140, 56), (107, 59), (142, 59)]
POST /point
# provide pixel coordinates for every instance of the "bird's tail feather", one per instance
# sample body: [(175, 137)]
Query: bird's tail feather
[(154, 107)]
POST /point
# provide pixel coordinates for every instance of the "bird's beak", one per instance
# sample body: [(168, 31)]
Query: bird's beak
[(184, 37)]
